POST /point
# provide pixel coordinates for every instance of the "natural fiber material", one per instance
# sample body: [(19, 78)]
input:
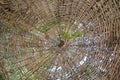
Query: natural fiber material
[(59, 39)]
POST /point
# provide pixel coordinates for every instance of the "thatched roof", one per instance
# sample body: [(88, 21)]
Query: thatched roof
[(59, 40)]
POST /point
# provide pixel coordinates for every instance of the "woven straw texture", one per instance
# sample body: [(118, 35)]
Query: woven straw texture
[(59, 39)]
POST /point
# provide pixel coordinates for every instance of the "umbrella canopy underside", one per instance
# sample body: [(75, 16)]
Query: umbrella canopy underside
[(59, 39)]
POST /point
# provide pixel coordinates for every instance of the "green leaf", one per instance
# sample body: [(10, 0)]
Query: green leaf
[(79, 34), (65, 36), (68, 36), (71, 36), (16, 76)]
